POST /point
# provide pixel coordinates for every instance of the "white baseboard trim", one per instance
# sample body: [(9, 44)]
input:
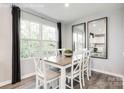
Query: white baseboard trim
[(109, 73), (28, 75), (5, 83)]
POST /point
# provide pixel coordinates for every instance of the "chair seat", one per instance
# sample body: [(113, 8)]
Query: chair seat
[(51, 75)]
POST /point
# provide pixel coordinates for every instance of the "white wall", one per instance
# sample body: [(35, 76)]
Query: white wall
[(123, 37), (114, 63), (5, 43), (66, 35), (27, 68), (63, 35)]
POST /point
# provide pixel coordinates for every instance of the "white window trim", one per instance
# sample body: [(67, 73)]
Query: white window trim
[(39, 40)]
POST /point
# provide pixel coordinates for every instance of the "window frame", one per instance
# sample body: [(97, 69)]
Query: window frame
[(38, 40)]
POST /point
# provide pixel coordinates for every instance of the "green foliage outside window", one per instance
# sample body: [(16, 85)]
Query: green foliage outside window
[(35, 41)]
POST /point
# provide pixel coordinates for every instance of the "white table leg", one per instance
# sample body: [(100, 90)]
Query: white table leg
[(63, 78)]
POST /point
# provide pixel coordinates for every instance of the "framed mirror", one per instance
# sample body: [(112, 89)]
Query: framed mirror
[(97, 37), (79, 36)]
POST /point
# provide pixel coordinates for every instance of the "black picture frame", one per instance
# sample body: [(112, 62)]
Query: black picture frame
[(106, 18), (73, 31)]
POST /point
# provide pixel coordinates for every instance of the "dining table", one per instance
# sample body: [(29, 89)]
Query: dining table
[(62, 62)]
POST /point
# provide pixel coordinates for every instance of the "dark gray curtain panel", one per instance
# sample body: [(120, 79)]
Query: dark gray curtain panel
[(59, 35), (16, 75)]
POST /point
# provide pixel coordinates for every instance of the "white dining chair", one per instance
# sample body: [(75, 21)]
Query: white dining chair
[(45, 77), (75, 72), (60, 51), (55, 52), (85, 65)]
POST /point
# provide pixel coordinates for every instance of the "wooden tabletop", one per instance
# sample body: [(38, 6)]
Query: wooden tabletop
[(60, 60)]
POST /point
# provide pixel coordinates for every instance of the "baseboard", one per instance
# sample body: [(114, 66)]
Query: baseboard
[(109, 73), (9, 81), (28, 75), (5, 83)]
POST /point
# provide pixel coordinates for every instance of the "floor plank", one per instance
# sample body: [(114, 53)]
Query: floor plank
[(97, 81)]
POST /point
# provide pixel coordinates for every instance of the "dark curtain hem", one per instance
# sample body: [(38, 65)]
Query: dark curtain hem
[(16, 77)]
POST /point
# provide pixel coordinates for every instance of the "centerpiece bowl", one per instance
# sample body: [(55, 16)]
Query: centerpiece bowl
[(68, 52)]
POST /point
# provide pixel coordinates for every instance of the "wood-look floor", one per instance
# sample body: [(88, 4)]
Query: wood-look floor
[(97, 81)]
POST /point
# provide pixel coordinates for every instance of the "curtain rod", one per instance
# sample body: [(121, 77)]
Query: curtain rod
[(30, 12)]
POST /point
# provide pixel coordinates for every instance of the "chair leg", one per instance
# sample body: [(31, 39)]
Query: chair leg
[(87, 74), (80, 82), (45, 84), (71, 83), (83, 79), (37, 86), (59, 82), (68, 80)]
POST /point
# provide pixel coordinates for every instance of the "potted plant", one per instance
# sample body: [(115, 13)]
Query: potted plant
[(95, 50), (68, 52)]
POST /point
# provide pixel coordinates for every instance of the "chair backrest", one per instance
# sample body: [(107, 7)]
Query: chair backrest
[(76, 63), (55, 52), (40, 67), (52, 52), (86, 57), (60, 51)]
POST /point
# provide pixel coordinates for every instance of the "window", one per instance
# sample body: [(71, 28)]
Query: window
[(49, 37), (30, 38), (36, 37)]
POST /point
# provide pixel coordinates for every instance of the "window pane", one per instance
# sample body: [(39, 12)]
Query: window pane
[(31, 39), (35, 30), (49, 33), (76, 45), (35, 47), (45, 33), (25, 52), (48, 45), (52, 34), (25, 33)]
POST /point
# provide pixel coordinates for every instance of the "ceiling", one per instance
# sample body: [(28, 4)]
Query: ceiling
[(75, 11)]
